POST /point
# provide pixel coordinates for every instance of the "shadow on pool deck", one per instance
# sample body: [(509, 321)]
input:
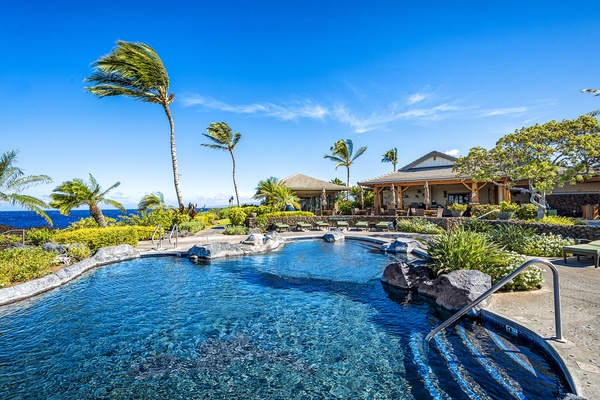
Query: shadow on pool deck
[(580, 299)]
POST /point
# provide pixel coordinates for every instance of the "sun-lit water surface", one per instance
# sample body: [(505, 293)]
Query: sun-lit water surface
[(310, 321)]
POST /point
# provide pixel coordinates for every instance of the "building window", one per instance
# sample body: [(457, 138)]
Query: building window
[(462, 198)]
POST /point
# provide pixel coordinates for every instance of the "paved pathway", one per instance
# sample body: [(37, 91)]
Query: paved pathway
[(580, 293)]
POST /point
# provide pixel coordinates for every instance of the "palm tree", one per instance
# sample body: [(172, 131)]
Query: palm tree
[(596, 92), (275, 194), (341, 153), (135, 70), (337, 181), (151, 202), (391, 156), (224, 139), (75, 193), (13, 181)]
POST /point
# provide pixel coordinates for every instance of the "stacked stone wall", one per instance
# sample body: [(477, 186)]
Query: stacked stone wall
[(571, 205)]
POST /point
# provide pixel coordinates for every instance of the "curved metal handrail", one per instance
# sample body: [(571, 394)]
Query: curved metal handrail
[(497, 286), (158, 227), (17, 230), (174, 230)]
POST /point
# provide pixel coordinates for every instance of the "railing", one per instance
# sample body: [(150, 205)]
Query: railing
[(487, 213), (496, 287), (17, 230), (159, 231), (174, 230)]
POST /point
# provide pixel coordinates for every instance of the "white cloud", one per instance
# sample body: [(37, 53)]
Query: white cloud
[(505, 111), (416, 98), (453, 152)]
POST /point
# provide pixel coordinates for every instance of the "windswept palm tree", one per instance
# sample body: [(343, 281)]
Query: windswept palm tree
[(342, 154), (135, 70), (391, 156), (75, 193), (596, 92), (224, 139), (13, 181), (151, 202), (275, 194)]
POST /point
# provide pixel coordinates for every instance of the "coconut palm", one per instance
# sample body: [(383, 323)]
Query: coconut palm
[(13, 181), (342, 154), (135, 70), (337, 181), (151, 202), (224, 139), (391, 156), (596, 92), (275, 194), (75, 193)]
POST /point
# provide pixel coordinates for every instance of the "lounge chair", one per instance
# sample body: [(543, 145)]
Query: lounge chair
[(591, 249), (362, 225), (321, 224), (342, 224), (281, 227), (383, 225), (301, 226)]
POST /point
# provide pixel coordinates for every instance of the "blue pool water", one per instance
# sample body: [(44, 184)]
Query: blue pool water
[(309, 321)]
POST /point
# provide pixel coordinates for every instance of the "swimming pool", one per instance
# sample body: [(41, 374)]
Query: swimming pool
[(309, 321)]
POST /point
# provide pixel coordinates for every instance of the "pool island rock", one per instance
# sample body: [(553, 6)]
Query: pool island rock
[(256, 243)]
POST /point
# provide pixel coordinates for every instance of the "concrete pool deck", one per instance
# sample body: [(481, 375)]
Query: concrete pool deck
[(580, 300)]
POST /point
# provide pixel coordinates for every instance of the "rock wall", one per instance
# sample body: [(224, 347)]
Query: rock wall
[(571, 205)]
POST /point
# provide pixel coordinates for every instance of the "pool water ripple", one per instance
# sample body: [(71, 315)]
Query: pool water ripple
[(310, 321)]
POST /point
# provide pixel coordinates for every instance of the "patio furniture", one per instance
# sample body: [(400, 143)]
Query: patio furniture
[(383, 225), (342, 224), (301, 226), (361, 225), (591, 249), (321, 224), (281, 227)]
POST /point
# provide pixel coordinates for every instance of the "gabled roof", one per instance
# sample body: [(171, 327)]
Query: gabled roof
[(300, 182), (429, 161), (433, 166)]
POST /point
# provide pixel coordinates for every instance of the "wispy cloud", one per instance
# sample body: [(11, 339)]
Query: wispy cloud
[(504, 111), (453, 152), (340, 112)]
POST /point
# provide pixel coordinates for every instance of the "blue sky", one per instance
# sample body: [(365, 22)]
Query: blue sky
[(292, 77)]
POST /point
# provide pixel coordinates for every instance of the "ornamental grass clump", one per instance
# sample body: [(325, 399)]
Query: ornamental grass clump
[(417, 225), (511, 236), (471, 250), (23, 264)]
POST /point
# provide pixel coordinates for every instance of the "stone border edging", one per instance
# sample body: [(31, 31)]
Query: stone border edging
[(104, 256)]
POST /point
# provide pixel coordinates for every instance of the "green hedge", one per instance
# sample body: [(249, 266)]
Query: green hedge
[(23, 264), (96, 238), (280, 214)]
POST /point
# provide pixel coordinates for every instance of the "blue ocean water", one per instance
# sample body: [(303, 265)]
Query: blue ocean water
[(29, 219)]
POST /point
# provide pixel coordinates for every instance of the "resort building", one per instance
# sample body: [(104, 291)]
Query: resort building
[(315, 195)]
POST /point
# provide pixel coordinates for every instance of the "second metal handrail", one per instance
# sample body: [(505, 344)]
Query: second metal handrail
[(174, 230), (496, 287), (17, 230)]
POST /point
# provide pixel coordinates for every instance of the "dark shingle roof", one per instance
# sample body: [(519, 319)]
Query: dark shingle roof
[(300, 182)]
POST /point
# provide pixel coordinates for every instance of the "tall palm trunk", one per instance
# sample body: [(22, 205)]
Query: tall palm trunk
[(174, 157), (348, 183), (96, 213), (234, 183)]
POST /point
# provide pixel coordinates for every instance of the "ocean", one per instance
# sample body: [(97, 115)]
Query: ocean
[(29, 219)]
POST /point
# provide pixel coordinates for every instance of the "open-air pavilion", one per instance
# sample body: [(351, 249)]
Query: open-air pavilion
[(315, 195)]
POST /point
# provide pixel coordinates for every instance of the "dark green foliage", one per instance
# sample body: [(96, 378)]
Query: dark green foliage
[(192, 226), (96, 238), (526, 212), (346, 206), (78, 252), (235, 230), (477, 225), (511, 236), (481, 209), (89, 222), (280, 214), (7, 240)]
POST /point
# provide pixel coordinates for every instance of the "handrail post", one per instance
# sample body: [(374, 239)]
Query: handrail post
[(159, 226), (496, 287), (175, 230)]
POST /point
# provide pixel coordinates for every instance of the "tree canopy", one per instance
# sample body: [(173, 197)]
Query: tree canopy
[(542, 156), (13, 181), (274, 193), (391, 156), (342, 153)]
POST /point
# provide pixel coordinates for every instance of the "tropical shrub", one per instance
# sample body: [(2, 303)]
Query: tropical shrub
[(511, 236), (96, 238), (478, 210), (461, 249), (279, 214), (146, 232), (526, 212), (237, 216), (78, 251), (346, 206), (23, 264), (556, 220), (192, 226), (235, 230), (155, 217), (507, 207), (417, 225), (259, 210), (7, 240), (261, 221), (477, 225), (457, 207), (38, 236), (545, 245), (221, 212), (471, 250), (90, 222)]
